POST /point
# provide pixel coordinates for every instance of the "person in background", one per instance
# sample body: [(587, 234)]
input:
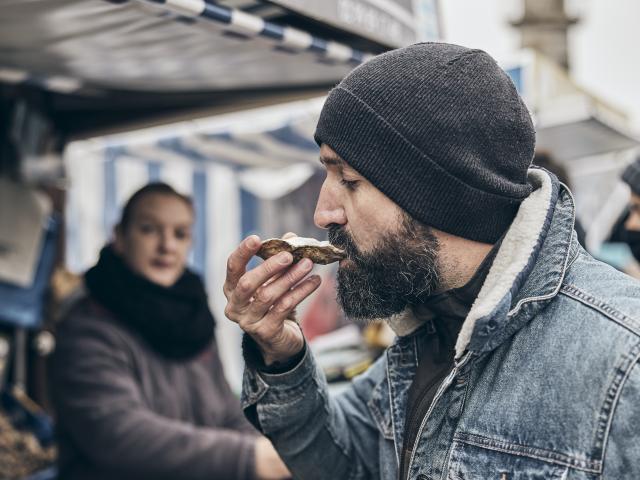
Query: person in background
[(137, 381), (627, 229), (545, 160)]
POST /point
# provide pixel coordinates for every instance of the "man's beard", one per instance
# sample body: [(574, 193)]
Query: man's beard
[(399, 272)]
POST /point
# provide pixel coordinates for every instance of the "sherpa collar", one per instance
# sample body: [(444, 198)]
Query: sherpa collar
[(512, 281), (528, 269)]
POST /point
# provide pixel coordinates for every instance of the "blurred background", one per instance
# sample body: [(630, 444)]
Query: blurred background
[(220, 100)]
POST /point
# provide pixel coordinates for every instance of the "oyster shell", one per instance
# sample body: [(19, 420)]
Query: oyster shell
[(300, 247)]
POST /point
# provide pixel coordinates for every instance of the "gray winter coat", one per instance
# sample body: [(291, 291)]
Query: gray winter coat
[(125, 412)]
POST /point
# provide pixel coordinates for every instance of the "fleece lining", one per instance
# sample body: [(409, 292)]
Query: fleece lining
[(518, 245), (513, 256)]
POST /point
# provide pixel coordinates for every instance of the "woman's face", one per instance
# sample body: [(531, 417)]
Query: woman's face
[(157, 239)]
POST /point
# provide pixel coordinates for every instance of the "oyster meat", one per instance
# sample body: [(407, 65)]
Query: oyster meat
[(300, 247)]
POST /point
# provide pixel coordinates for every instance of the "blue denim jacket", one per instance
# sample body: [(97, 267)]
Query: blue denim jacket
[(546, 383)]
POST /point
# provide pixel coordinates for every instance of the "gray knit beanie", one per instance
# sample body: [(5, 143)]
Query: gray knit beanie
[(631, 175), (440, 130)]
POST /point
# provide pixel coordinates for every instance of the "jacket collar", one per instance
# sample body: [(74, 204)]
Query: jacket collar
[(528, 269), (526, 273)]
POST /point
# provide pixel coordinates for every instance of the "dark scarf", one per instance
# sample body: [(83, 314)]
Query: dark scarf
[(175, 321)]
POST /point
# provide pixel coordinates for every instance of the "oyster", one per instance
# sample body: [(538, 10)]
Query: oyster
[(300, 247)]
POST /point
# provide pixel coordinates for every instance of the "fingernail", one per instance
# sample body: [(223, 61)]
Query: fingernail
[(253, 242), (306, 264), (284, 258)]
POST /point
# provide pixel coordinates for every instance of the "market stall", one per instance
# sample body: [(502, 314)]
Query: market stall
[(218, 98)]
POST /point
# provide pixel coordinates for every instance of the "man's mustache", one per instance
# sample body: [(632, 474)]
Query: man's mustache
[(340, 238)]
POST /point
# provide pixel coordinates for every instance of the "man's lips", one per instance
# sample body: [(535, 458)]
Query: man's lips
[(347, 256)]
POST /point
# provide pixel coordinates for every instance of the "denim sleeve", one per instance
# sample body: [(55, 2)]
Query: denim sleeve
[(318, 436), (622, 450)]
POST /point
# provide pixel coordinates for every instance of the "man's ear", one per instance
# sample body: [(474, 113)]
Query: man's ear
[(118, 239)]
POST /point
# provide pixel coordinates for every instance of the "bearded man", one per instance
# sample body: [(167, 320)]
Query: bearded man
[(516, 354)]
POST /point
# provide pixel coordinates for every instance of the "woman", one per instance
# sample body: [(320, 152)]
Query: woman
[(137, 380)]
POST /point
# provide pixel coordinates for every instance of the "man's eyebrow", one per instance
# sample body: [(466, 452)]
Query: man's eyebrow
[(336, 161)]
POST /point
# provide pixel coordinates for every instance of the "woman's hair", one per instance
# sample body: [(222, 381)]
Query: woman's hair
[(151, 188)]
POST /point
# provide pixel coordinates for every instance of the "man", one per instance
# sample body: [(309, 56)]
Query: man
[(517, 353), (628, 230)]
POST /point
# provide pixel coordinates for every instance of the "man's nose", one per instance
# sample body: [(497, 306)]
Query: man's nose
[(328, 210)]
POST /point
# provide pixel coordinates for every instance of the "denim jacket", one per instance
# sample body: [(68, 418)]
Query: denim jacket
[(546, 383)]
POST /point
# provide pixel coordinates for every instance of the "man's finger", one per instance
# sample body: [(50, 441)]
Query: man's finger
[(273, 279), (276, 277), (252, 280), (267, 327), (267, 295), (238, 260), (288, 302)]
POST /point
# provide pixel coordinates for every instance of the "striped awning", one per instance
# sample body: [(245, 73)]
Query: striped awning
[(160, 45)]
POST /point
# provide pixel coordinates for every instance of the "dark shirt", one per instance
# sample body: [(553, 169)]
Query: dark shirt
[(445, 313)]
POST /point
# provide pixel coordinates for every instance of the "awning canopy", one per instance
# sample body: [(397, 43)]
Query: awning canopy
[(91, 65), (168, 46)]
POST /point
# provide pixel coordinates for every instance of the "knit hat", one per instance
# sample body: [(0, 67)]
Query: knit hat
[(441, 130), (631, 175)]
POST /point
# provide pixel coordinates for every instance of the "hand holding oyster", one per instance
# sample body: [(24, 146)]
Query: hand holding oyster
[(300, 247)]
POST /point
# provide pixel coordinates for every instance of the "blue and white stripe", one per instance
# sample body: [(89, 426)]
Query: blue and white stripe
[(244, 23), (216, 17)]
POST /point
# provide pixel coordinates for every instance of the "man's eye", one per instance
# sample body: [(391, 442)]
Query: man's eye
[(350, 184), (146, 228), (182, 234)]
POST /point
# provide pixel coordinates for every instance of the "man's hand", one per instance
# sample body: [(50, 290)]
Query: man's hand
[(269, 466), (262, 300)]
